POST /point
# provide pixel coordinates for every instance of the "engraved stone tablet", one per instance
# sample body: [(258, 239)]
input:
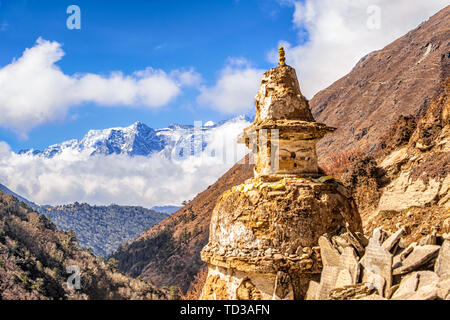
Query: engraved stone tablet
[(377, 260), (344, 279), (327, 281), (348, 261), (330, 256), (313, 288)]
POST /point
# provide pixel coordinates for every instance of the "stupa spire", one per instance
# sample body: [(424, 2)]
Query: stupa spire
[(281, 53)]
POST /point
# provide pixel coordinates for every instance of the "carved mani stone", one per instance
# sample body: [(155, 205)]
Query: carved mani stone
[(330, 256), (344, 278), (327, 281), (377, 261), (348, 261)]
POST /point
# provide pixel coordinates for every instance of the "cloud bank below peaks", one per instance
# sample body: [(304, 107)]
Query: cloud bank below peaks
[(118, 178), (35, 91)]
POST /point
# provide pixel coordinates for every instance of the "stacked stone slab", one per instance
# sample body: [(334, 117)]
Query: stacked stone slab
[(386, 268), (264, 233)]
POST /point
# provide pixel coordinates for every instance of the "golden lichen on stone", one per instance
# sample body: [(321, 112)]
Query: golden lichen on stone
[(280, 184), (324, 179)]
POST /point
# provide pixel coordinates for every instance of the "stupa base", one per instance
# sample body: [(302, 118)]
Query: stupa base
[(264, 235)]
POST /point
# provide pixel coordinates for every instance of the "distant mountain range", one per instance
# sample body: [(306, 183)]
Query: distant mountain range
[(138, 140), (101, 228)]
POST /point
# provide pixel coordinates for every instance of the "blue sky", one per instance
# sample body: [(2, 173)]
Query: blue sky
[(133, 35), (223, 46)]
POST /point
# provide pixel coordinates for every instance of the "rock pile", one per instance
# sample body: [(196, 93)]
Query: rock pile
[(383, 267)]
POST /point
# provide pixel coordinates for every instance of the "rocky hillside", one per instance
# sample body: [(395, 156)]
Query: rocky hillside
[(34, 257), (169, 253), (103, 228), (407, 180), (381, 107), (398, 80), (404, 199)]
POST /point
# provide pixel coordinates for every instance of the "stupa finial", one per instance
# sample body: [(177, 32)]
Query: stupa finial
[(282, 58)]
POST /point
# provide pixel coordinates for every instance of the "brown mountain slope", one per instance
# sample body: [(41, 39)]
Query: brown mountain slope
[(169, 253), (364, 105), (399, 79)]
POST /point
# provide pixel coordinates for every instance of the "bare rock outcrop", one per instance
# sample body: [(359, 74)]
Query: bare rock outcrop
[(419, 171)]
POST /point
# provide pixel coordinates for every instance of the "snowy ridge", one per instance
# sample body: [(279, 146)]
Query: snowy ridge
[(139, 140)]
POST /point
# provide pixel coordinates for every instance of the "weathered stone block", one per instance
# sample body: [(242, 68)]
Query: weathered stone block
[(420, 256), (390, 242), (442, 266), (313, 289), (330, 256)]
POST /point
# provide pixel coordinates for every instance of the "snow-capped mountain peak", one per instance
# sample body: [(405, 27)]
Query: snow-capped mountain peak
[(138, 139)]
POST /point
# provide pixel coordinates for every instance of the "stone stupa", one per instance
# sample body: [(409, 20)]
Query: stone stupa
[(263, 241)]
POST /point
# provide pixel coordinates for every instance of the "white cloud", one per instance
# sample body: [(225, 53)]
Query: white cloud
[(121, 179), (234, 90), (342, 32), (189, 78), (34, 90)]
